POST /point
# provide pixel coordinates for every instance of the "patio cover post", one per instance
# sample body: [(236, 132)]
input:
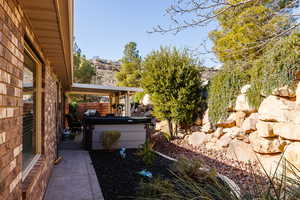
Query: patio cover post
[(127, 105)]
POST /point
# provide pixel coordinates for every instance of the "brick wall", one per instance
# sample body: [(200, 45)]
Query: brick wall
[(13, 26)]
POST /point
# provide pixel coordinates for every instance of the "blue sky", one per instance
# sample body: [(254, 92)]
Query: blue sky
[(103, 27)]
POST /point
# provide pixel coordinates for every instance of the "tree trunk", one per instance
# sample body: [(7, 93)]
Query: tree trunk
[(170, 126)]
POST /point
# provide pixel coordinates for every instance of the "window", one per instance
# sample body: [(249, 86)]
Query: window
[(31, 110)]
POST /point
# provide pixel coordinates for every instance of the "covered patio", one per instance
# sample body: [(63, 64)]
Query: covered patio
[(117, 96)]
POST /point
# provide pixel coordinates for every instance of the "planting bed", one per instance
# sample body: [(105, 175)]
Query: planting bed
[(118, 177)]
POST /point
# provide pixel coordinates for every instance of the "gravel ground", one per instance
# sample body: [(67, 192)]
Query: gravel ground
[(246, 175)]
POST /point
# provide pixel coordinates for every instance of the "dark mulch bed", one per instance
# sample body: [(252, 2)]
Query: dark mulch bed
[(118, 177)]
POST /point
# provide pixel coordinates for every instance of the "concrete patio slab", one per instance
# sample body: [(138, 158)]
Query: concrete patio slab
[(74, 178)]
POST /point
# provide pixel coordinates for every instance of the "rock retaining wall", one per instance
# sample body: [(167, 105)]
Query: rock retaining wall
[(267, 133)]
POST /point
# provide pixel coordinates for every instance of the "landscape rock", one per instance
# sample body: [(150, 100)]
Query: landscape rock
[(243, 105), (288, 131), (269, 162), (241, 151), (232, 117), (207, 128), (162, 126), (234, 131), (249, 125), (239, 118), (265, 129), (292, 154), (224, 140), (275, 109), (226, 124), (298, 94), (198, 138), (266, 145), (284, 92), (205, 119), (218, 133), (245, 88)]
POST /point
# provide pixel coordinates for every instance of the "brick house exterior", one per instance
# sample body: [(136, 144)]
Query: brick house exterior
[(46, 28)]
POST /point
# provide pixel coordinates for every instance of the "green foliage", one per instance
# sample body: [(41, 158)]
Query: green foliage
[(244, 28), (249, 56), (146, 151), (130, 71), (110, 138), (225, 87), (275, 68), (159, 188), (83, 68), (172, 78), (188, 182), (138, 97), (191, 181)]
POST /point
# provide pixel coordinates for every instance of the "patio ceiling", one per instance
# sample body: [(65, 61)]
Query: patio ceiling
[(79, 88), (52, 23)]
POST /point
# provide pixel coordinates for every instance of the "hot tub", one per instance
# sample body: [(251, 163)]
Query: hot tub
[(133, 131)]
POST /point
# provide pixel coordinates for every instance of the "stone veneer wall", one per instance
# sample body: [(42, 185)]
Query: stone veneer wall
[(13, 27)]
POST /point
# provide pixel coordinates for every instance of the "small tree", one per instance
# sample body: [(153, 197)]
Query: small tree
[(83, 68), (130, 71), (172, 78)]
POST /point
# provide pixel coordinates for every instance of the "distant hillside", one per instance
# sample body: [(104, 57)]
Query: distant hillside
[(105, 71)]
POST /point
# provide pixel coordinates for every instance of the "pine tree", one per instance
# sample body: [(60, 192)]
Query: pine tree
[(130, 71)]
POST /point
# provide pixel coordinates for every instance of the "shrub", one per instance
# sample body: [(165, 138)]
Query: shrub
[(110, 138), (146, 151), (172, 78)]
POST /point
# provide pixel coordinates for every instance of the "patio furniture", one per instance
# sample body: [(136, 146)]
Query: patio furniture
[(74, 124)]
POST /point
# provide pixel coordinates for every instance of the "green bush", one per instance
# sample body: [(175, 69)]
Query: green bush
[(146, 151), (223, 90), (275, 68), (110, 138), (191, 182)]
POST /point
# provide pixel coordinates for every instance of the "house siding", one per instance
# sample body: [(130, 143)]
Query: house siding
[(13, 27)]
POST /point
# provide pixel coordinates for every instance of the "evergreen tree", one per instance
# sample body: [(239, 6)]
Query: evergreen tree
[(172, 78), (130, 71), (83, 68)]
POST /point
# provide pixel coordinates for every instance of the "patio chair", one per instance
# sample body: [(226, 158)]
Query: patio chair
[(74, 125)]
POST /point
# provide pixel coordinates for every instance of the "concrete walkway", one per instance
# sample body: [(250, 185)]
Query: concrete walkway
[(74, 178)]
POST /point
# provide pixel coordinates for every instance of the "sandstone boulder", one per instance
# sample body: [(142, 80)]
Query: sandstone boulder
[(266, 145), (198, 138), (207, 128), (226, 124), (205, 119), (162, 126), (243, 105), (249, 125), (288, 131), (265, 129), (284, 92), (232, 117), (234, 131), (241, 151), (224, 140), (239, 118), (294, 115), (298, 94), (275, 109), (292, 154), (245, 88), (218, 133)]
